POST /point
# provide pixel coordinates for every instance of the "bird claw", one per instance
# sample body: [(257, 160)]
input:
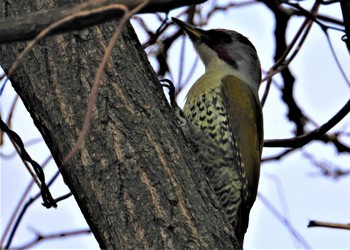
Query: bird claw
[(179, 114), (170, 86), (180, 117)]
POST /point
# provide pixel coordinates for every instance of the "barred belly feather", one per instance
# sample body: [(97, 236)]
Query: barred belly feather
[(217, 149)]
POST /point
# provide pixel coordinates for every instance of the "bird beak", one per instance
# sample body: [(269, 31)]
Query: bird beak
[(193, 32)]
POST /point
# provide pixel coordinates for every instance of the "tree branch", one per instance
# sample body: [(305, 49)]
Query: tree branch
[(301, 140), (96, 11), (39, 176), (42, 237), (345, 7), (314, 223)]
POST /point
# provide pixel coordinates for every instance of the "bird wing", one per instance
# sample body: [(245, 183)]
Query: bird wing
[(245, 118)]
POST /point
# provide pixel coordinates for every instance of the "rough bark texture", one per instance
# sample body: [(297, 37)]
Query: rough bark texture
[(134, 179)]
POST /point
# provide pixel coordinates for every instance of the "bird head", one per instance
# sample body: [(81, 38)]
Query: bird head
[(228, 46)]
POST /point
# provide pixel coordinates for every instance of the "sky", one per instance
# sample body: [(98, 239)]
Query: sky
[(293, 185)]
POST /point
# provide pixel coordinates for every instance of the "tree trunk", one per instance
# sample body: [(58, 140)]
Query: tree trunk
[(135, 178)]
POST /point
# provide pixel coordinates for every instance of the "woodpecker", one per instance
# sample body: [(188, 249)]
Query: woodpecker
[(225, 118)]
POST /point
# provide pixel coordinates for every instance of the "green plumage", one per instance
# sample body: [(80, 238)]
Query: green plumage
[(227, 142), (216, 146)]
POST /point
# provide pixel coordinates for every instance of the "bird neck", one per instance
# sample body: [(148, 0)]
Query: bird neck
[(215, 65), (221, 69)]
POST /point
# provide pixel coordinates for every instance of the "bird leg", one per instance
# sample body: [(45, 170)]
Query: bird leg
[(180, 116), (191, 132)]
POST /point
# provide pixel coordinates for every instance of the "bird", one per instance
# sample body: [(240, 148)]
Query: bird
[(225, 119)]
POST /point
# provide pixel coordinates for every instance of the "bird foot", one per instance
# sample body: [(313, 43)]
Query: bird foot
[(179, 114), (170, 86)]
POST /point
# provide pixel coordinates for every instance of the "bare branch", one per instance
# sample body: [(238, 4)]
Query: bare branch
[(26, 144), (63, 197), (282, 17), (301, 140), (16, 210), (9, 118), (314, 223), (284, 221), (41, 237), (153, 36), (345, 6), (341, 147), (39, 176), (278, 156), (95, 12), (327, 169)]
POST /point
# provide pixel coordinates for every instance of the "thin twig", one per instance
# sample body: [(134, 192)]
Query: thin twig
[(278, 156), (301, 140), (181, 60), (314, 223), (342, 71), (26, 144), (153, 37), (63, 197), (9, 118), (266, 92), (24, 209), (284, 221), (40, 237), (189, 75), (19, 205), (39, 175), (280, 63), (26, 27), (29, 169), (327, 169)]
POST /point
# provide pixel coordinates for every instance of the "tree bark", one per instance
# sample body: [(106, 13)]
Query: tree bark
[(135, 179)]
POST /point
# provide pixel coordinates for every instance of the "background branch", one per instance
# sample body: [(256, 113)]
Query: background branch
[(97, 11), (301, 140), (314, 223)]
